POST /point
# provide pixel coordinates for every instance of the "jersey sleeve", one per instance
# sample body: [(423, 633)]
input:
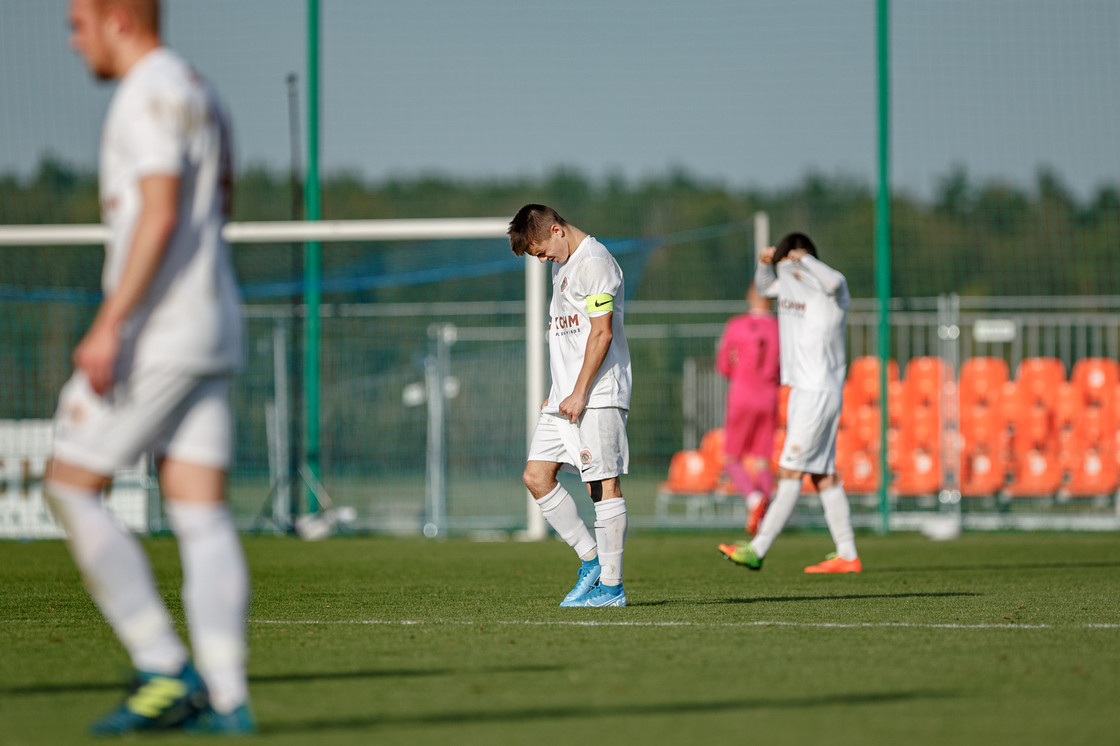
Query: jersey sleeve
[(154, 130), (832, 281), (723, 352), (766, 280), (599, 281)]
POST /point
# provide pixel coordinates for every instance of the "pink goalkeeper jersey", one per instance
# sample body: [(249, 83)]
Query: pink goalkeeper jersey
[(748, 357)]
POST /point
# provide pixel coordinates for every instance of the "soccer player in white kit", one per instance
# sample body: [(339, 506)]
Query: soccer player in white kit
[(153, 375), (582, 426), (813, 305)]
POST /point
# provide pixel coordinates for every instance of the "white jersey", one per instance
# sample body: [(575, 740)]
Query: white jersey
[(813, 305), (589, 284), (164, 119)]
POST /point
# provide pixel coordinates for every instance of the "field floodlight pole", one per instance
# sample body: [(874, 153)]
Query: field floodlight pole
[(312, 271), (883, 254)]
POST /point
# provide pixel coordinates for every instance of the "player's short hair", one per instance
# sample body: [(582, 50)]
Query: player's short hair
[(793, 241), (144, 12), (531, 225)]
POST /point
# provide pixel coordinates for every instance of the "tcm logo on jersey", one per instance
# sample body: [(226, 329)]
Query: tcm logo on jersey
[(791, 306), (570, 321)]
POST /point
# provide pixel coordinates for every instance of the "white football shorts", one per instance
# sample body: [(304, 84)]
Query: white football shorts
[(812, 419), (596, 448), (183, 417)]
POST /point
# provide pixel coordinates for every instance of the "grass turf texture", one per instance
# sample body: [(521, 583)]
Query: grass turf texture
[(989, 639)]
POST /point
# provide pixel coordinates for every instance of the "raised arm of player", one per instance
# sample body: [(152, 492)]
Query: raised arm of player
[(831, 280), (96, 354), (765, 278), (598, 342)]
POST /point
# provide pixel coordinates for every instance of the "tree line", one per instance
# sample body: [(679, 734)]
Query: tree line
[(989, 238)]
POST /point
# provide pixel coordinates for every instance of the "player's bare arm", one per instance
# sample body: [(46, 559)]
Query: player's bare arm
[(766, 256), (96, 354), (598, 342)]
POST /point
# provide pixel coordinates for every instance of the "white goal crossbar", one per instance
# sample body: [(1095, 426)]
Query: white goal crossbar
[(325, 231), (279, 231)]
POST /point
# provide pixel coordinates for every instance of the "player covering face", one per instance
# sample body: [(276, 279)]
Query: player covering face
[(812, 300)]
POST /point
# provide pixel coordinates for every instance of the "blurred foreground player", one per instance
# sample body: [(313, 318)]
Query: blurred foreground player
[(153, 375), (748, 357), (582, 426), (812, 312)]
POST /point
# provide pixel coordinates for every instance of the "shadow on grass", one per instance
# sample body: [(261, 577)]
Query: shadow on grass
[(1058, 565), (286, 678), (784, 599), (612, 710)]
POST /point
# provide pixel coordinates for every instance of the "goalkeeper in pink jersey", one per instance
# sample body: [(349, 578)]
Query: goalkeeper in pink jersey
[(748, 357), (813, 305)]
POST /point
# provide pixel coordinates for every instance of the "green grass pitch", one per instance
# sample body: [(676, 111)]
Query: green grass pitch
[(991, 639)]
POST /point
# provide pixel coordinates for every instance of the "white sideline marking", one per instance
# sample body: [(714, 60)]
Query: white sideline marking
[(604, 623)]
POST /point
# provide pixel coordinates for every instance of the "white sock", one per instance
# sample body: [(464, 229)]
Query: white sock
[(610, 535), (119, 578), (559, 509), (777, 515), (215, 597), (838, 516)]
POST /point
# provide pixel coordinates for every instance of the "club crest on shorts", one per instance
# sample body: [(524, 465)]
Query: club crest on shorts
[(585, 457)]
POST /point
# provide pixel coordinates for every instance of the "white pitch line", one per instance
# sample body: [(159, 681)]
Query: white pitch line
[(606, 623)]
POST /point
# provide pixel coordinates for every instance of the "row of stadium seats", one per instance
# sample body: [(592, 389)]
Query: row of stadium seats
[(1038, 434)]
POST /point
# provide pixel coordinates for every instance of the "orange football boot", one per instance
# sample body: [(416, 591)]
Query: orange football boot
[(835, 563)]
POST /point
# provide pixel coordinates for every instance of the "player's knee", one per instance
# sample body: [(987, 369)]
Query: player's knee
[(784, 473), (538, 484), (826, 481)]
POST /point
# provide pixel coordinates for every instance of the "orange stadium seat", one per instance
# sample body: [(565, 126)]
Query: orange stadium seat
[(1034, 429), (863, 372), (868, 427), (918, 473), (1068, 406), (1096, 427), (1038, 379), (1009, 402), (984, 428), (862, 476), (924, 383), (1036, 474), (1097, 379), (1093, 474), (690, 473), (779, 441), (983, 473), (783, 405), (850, 405), (711, 445), (922, 429), (896, 403), (981, 381)]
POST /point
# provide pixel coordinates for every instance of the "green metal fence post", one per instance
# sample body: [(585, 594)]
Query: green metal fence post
[(883, 251), (312, 260)]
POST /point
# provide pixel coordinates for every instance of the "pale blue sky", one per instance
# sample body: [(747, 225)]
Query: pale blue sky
[(742, 91)]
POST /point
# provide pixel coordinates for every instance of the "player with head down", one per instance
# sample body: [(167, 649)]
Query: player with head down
[(582, 425), (813, 305), (153, 375)]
